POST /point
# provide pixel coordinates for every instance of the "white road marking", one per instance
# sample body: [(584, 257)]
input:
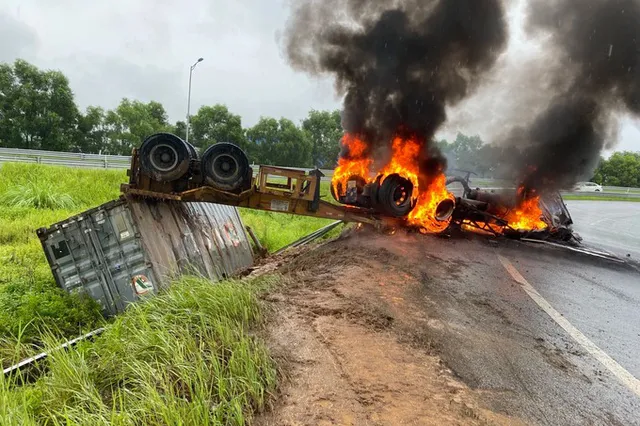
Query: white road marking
[(616, 369)]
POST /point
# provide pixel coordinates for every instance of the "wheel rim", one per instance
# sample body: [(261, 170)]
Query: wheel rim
[(400, 195), (225, 166), (163, 157)]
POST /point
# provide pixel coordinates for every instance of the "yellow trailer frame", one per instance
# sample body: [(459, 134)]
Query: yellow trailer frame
[(299, 195)]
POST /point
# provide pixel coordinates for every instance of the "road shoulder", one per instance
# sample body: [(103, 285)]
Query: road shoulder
[(354, 350)]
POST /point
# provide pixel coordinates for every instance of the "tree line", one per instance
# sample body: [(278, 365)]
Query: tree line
[(38, 111), (470, 153)]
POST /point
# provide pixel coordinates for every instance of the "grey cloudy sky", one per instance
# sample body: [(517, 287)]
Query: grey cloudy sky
[(142, 49)]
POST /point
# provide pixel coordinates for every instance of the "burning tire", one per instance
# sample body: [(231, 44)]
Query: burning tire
[(226, 167), (394, 196), (165, 157)]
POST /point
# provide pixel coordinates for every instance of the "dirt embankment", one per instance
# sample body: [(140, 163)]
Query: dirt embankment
[(354, 347)]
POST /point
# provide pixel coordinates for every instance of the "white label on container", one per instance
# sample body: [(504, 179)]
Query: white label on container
[(279, 205)]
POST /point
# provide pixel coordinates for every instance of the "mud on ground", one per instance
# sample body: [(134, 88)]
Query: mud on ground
[(354, 347)]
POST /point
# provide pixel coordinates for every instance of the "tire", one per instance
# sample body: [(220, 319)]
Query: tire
[(394, 196), (225, 166), (192, 150), (165, 157)]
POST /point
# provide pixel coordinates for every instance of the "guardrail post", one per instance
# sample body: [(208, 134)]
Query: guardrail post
[(106, 164)]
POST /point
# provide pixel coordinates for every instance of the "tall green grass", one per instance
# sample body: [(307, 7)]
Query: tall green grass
[(276, 230), (186, 357), (87, 188), (34, 196), (37, 195)]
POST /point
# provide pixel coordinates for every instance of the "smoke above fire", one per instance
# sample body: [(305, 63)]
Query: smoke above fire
[(399, 64), (592, 77)]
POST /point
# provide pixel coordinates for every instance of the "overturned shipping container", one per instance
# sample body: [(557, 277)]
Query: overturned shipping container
[(127, 249)]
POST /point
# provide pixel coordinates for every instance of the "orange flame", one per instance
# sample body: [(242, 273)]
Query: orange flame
[(527, 215), (357, 163), (423, 214), (404, 161), (405, 154)]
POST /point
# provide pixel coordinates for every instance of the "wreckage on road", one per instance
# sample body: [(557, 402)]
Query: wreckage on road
[(167, 222)]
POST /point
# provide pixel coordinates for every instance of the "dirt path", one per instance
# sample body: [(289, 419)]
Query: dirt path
[(353, 347)]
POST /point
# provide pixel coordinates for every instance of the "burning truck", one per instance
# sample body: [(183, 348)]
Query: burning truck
[(423, 201)]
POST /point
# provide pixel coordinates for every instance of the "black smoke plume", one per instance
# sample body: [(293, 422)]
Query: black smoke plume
[(398, 63), (598, 42)]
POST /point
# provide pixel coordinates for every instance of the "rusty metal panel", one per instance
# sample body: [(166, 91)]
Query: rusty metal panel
[(122, 250), (224, 223), (196, 238)]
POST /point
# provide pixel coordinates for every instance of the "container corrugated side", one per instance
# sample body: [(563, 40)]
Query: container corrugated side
[(201, 238)]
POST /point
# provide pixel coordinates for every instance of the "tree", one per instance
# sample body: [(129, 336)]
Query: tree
[(180, 129), (92, 132), (216, 124), (279, 143), (131, 122), (37, 108), (621, 169), (324, 131)]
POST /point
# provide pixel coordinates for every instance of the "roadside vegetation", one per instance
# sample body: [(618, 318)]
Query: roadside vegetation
[(188, 356), (31, 197), (34, 196)]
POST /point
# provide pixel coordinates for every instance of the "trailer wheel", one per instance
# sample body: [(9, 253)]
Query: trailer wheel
[(165, 157), (394, 196), (225, 166)]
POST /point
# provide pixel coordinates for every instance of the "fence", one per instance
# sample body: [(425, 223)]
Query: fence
[(97, 161), (68, 159)]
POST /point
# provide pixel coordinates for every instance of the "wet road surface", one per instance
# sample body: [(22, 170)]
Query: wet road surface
[(612, 225), (492, 329)]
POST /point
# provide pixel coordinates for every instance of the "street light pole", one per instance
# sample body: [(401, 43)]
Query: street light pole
[(189, 98)]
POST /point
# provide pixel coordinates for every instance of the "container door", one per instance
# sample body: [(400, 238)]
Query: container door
[(122, 260), (77, 266)]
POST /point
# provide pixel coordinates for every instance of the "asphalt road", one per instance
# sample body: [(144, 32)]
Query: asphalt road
[(612, 225), (497, 338), (551, 335)]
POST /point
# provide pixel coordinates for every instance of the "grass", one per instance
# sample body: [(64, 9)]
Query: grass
[(37, 195), (602, 198), (189, 356), (33, 196)]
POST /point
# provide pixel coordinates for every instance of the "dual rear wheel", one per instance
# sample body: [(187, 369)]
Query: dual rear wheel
[(167, 158)]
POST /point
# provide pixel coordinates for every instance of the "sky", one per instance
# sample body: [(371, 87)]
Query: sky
[(142, 49)]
